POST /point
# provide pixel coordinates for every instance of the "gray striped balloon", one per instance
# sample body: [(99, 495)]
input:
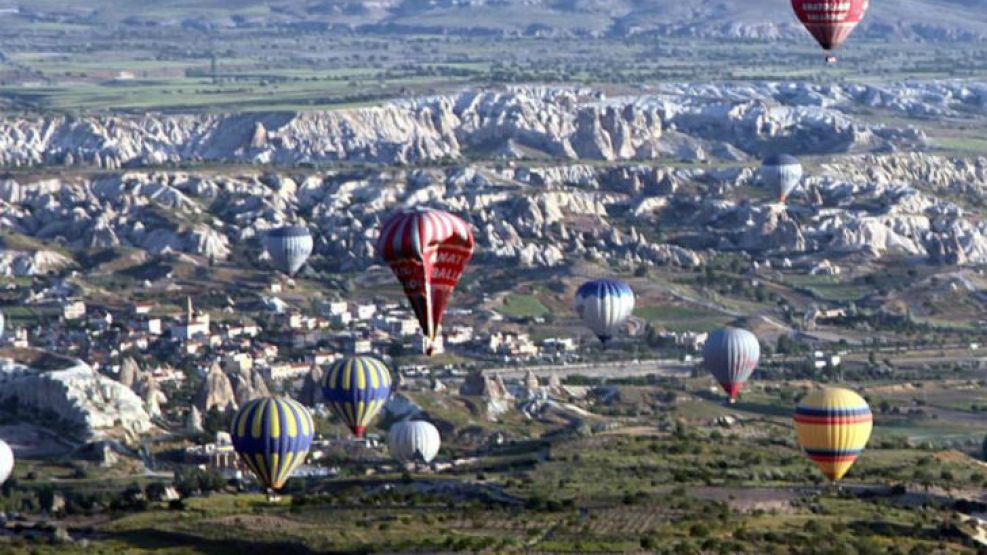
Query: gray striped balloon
[(289, 247), (731, 355), (782, 173)]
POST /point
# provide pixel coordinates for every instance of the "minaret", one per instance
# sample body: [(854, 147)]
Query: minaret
[(189, 312)]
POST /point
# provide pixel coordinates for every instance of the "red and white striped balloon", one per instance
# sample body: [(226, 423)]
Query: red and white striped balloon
[(428, 250), (830, 21)]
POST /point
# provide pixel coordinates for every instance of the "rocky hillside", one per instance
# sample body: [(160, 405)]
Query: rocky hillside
[(533, 216), (677, 122), (538, 198)]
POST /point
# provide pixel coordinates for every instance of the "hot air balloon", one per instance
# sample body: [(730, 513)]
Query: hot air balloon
[(782, 173), (289, 247), (356, 388), (604, 305), (415, 441), (272, 435), (6, 461), (428, 250), (731, 355), (833, 426), (830, 21)]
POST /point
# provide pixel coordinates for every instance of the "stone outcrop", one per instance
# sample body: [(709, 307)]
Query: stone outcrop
[(311, 392), (193, 420), (129, 371), (491, 390), (75, 400), (215, 391), (249, 385)]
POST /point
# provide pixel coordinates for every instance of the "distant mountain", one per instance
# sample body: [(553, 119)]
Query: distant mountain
[(921, 20)]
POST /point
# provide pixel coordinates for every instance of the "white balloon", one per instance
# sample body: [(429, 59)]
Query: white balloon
[(414, 441), (6, 461)]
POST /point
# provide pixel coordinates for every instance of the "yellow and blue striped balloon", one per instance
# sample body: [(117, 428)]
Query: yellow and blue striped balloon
[(356, 388), (272, 436), (833, 426)]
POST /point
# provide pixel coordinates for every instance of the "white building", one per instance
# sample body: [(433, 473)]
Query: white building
[(559, 344), (365, 311), (194, 325), (73, 310), (402, 327), (338, 307), (358, 346), (457, 335), (341, 319), (152, 326), (286, 371), (438, 346)]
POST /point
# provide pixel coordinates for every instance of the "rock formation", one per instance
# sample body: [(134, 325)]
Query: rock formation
[(80, 402), (249, 385), (129, 370), (311, 392), (215, 391), (491, 389), (193, 420)]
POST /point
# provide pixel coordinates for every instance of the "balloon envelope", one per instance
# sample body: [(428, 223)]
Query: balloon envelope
[(830, 21), (416, 441), (6, 461), (289, 247), (782, 173), (427, 250), (272, 436), (833, 426), (356, 388), (731, 355), (604, 305)]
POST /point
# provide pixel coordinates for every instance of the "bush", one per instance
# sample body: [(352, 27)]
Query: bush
[(699, 530), (192, 481)]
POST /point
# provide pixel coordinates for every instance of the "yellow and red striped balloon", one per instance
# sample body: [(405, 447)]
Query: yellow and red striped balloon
[(833, 426)]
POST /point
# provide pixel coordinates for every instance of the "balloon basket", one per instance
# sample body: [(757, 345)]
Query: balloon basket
[(273, 497)]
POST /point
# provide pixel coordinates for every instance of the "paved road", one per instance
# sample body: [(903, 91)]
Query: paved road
[(623, 369)]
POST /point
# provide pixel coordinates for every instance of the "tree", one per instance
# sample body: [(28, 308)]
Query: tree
[(192, 481), (216, 421)]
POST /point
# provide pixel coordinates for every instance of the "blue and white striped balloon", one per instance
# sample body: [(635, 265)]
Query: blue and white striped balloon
[(604, 305), (782, 173), (289, 247)]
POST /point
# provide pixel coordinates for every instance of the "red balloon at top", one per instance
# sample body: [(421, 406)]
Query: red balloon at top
[(428, 250), (830, 21)]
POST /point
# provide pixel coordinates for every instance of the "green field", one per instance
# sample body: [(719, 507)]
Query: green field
[(519, 305), (679, 318), (829, 288)]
